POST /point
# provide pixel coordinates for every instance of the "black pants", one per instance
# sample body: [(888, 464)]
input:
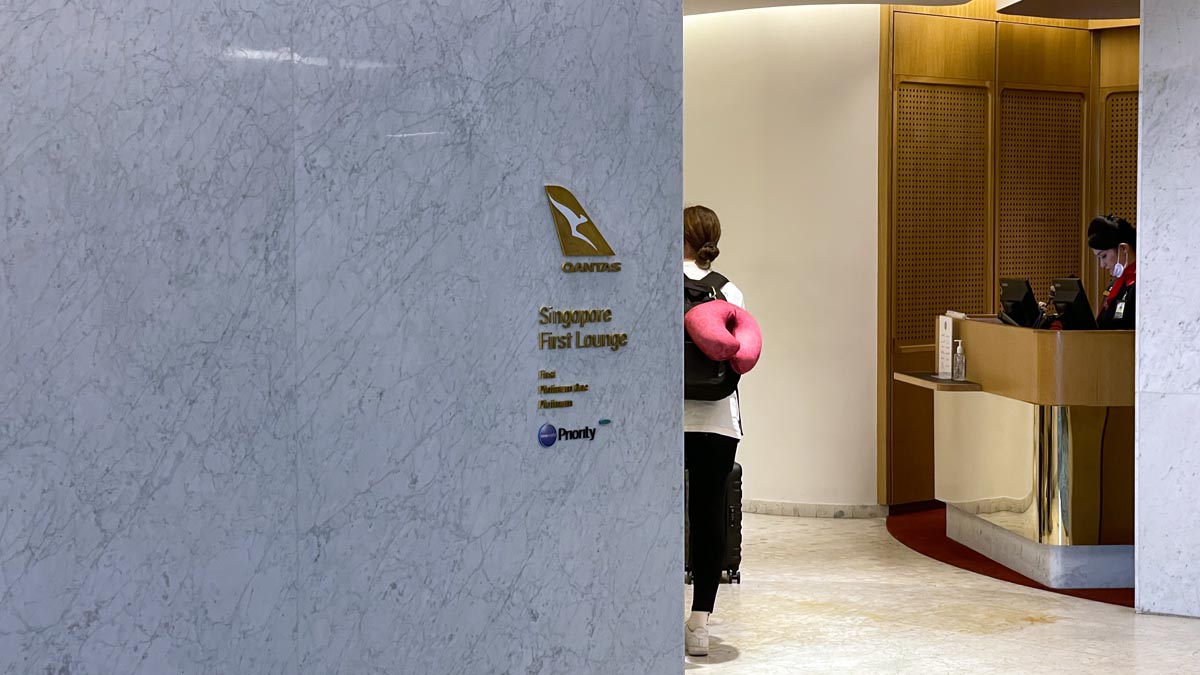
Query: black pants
[(708, 459)]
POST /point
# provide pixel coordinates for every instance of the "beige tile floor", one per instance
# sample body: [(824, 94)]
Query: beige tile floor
[(842, 596)]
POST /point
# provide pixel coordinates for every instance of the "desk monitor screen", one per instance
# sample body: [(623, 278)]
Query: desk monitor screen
[(1017, 304), (1071, 303)]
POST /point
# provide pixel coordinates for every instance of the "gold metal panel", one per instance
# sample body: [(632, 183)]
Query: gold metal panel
[(1121, 154), (1119, 57), (1041, 183), (1070, 439), (942, 209), (1045, 55), (942, 47)]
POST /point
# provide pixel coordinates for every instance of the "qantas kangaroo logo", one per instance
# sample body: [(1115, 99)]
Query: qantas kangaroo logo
[(577, 233)]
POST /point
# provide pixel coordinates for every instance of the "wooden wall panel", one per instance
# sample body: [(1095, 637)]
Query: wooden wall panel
[(1121, 155), (1119, 57), (1002, 136), (1041, 183), (941, 47), (912, 453), (1042, 55), (942, 206), (1114, 171)]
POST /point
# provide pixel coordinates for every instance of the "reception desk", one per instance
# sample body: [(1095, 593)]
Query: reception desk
[(1033, 455)]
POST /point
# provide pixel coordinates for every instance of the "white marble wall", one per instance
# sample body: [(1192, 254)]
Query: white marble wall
[(147, 477), (434, 529), (270, 274), (1168, 361)]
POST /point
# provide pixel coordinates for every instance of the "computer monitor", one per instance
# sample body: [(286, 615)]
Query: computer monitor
[(1071, 304), (1017, 304)]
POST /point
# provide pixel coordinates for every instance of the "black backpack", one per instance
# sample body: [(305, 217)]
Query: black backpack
[(703, 378)]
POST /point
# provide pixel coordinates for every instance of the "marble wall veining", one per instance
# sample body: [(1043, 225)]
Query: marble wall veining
[(434, 529), (1168, 359), (269, 281), (147, 471)]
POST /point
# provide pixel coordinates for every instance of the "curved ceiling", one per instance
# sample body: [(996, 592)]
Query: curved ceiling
[(709, 6), (1072, 9), (1052, 9)]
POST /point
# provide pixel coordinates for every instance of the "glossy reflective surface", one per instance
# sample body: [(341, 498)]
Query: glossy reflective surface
[(1058, 475), (841, 596)]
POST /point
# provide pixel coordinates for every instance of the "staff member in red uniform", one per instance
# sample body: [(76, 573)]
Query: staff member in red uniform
[(1114, 242)]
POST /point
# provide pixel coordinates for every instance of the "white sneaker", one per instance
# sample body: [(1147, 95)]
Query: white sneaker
[(695, 641)]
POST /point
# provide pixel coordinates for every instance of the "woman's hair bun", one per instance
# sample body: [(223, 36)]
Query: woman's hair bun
[(707, 253)]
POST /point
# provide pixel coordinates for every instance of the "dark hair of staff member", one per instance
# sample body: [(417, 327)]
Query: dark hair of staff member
[(1114, 243)]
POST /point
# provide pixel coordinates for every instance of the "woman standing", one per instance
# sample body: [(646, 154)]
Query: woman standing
[(712, 430), (1114, 242)]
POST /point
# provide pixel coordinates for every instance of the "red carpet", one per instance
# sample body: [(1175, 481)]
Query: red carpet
[(925, 533)]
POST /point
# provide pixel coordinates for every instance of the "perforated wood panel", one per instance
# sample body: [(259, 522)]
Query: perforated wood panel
[(941, 198), (1040, 191), (1121, 155)]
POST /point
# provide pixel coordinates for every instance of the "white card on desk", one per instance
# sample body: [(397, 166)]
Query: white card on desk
[(945, 346)]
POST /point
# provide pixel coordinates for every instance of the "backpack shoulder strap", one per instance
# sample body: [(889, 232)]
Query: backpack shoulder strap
[(714, 280), (705, 288)]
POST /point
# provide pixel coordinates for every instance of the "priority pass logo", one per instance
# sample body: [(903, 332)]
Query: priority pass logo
[(578, 234), (548, 434)]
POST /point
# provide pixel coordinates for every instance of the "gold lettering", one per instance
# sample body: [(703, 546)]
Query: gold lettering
[(613, 341), (571, 267), (552, 341), (573, 317), (544, 404)]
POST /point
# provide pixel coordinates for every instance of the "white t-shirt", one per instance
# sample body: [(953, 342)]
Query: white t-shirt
[(722, 417)]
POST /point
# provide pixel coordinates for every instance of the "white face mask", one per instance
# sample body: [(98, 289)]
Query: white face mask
[(1119, 268)]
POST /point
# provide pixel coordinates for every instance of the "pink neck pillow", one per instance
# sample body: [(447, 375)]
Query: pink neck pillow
[(725, 332)]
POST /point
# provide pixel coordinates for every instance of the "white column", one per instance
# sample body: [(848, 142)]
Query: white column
[(1168, 359), (270, 279)]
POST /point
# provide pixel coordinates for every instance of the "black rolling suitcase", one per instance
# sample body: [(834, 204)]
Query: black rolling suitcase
[(732, 562)]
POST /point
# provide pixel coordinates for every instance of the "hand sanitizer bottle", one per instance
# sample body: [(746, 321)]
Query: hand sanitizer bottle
[(959, 370)]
